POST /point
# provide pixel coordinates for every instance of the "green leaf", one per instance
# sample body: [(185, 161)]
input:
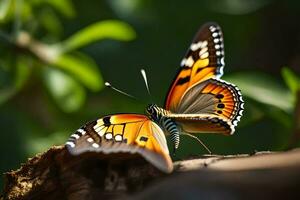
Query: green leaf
[(65, 7), (35, 145), (110, 29), (291, 79), (51, 22), (17, 74), (67, 92), (23, 70), (4, 8), (281, 117), (263, 88), (81, 67)]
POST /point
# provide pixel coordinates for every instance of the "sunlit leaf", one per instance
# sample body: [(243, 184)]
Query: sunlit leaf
[(26, 12), (263, 88), (110, 29), (83, 68), (65, 7), (51, 22), (4, 8), (291, 79), (66, 91), (127, 8), (35, 145)]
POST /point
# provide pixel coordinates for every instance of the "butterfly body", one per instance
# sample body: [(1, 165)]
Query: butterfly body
[(161, 117), (198, 101)]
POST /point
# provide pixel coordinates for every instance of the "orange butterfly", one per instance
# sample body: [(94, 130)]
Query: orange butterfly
[(198, 102)]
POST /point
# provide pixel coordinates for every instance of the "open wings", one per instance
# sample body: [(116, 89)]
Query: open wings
[(198, 99), (128, 133), (203, 60)]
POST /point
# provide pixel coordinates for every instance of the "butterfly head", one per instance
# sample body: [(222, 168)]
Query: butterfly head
[(153, 111)]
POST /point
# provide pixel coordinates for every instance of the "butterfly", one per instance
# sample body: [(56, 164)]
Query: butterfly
[(198, 101)]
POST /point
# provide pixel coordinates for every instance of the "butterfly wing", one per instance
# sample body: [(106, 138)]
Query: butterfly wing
[(204, 60), (213, 106), (123, 133), (198, 99)]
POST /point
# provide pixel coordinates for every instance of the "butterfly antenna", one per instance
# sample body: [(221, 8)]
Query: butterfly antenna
[(143, 72), (196, 138), (107, 84)]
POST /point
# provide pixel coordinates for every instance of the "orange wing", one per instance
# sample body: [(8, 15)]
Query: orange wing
[(123, 133), (205, 123), (213, 106), (204, 59), (198, 100)]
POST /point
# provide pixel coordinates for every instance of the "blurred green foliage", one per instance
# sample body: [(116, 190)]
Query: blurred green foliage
[(64, 70), (52, 65)]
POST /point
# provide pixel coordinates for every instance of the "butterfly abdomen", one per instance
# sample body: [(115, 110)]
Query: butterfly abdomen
[(171, 127), (160, 116)]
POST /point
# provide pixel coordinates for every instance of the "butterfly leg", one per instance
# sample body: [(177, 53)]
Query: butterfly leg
[(196, 138)]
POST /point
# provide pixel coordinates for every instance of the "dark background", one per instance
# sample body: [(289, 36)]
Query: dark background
[(262, 47)]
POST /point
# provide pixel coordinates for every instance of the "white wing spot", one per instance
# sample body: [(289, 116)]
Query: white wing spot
[(222, 61), (218, 53), (203, 44), (183, 62), (215, 34), (98, 129), (216, 40), (203, 51), (199, 45), (71, 144), (212, 28), (108, 136), (205, 55), (217, 46), (234, 123), (75, 136), (81, 131), (194, 46), (90, 139), (221, 71), (96, 126), (118, 138), (189, 62), (95, 145), (101, 133)]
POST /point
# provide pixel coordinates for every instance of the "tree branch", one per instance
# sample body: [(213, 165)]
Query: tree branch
[(56, 174)]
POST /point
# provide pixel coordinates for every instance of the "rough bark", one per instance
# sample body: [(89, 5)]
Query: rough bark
[(57, 175)]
